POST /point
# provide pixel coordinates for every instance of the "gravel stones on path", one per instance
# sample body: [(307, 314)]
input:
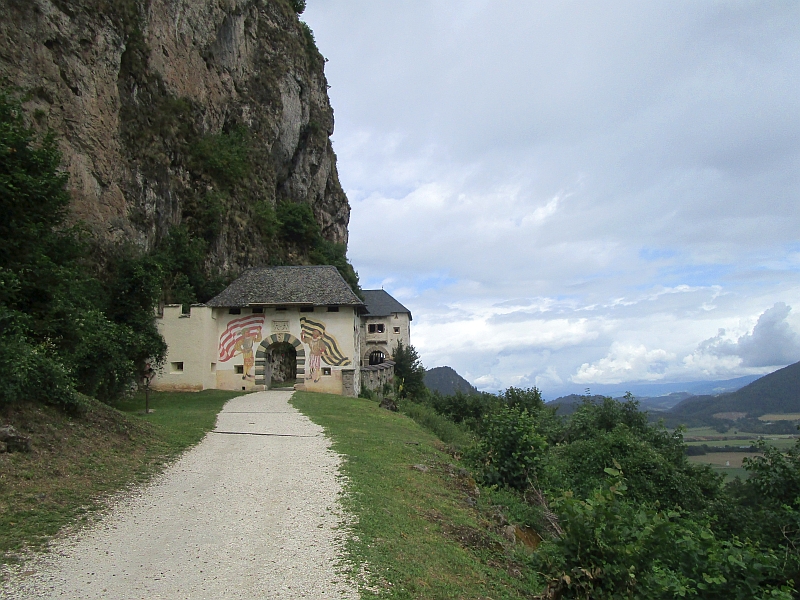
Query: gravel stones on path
[(251, 512)]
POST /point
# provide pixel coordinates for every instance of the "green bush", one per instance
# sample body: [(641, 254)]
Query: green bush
[(510, 450), (296, 224), (612, 548), (225, 157), (464, 408), (653, 458), (265, 220)]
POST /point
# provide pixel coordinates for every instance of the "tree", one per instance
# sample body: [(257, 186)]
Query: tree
[(63, 330), (409, 374)]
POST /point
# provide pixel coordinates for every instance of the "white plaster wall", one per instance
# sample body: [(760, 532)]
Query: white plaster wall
[(189, 341)]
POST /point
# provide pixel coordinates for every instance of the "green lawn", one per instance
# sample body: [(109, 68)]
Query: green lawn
[(415, 529), (182, 418)]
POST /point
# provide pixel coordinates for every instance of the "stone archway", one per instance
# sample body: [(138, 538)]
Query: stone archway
[(261, 357), (369, 354)]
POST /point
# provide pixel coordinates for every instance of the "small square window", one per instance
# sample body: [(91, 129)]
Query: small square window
[(239, 369), (176, 367), (397, 330), (234, 311), (326, 370)]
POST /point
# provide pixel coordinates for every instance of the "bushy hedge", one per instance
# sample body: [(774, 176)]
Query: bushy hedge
[(622, 511)]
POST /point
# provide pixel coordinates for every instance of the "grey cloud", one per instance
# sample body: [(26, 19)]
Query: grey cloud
[(772, 342)]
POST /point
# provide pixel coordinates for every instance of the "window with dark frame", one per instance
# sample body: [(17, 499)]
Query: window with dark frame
[(333, 309), (376, 328), (326, 370), (239, 369), (258, 310), (397, 330), (306, 309), (234, 311)]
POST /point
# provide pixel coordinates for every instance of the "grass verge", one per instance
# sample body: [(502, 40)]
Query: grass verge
[(77, 461), (419, 530)]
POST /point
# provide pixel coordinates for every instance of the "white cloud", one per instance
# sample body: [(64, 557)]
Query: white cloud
[(562, 192), (625, 363)]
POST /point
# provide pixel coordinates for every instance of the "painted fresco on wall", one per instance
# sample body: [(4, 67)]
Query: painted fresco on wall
[(241, 337), (322, 346)]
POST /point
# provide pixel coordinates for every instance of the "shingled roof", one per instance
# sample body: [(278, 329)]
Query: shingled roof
[(381, 304), (317, 285)]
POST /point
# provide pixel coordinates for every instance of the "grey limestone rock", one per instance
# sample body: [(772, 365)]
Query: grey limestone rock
[(132, 88)]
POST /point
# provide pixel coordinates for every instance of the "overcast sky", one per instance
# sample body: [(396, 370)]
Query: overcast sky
[(575, 193)]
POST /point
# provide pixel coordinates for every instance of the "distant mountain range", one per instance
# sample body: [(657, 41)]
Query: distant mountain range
[(692, 403), (655, 390), (446, 381), (776, 393)]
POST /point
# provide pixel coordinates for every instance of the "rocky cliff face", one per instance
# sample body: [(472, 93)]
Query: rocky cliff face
[(206, 113)]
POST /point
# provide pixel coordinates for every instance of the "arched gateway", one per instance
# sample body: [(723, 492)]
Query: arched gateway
[(263, 377)]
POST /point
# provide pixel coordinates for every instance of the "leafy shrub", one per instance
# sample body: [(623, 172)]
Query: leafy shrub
[(296, 224), (509, 450), (225, 157), (366, 393), (204, 214), (464, 408), (612, 548), (653, 459), (265, 220), (181, 259), (31, 372)]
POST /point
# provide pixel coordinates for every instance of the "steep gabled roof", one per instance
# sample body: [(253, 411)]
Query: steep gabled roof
[(381, 304), (317, 285)]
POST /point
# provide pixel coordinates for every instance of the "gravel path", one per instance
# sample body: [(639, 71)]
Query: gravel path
[(239, 516)]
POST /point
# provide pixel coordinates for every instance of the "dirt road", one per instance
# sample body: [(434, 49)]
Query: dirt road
[(251, 512)]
